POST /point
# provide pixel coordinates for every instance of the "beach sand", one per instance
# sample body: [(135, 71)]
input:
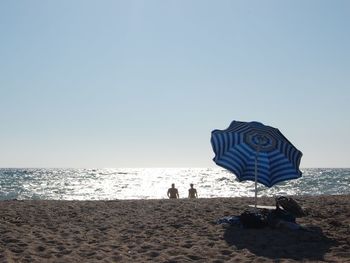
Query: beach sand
[(168, 231)]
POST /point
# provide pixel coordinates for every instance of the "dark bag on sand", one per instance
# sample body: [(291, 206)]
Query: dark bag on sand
[(251, 219), (284, 215), (290, 205), (275, 216)]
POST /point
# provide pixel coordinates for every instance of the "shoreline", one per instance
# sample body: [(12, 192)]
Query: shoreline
[(163, 230), (264, 198)]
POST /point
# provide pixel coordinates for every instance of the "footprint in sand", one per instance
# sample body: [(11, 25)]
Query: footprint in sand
[(153, 254), (40, 249)]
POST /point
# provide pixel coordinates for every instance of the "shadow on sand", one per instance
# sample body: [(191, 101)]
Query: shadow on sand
[(281, 243)]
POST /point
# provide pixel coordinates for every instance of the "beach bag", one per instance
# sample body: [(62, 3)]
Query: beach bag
[(284, 215), (251, 219), (290, 205), (275, 216)]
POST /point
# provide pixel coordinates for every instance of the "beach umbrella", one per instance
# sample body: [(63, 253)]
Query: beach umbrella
[(256, 152)]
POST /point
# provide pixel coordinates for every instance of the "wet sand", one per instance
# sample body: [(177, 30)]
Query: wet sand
[(168, 231)]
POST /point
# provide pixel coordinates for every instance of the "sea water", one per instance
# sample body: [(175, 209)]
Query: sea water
[(152, 183)]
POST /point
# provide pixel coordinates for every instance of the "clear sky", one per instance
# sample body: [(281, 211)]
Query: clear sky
[(143, 83)]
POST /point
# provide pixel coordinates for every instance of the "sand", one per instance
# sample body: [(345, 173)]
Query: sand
[(168, 231)]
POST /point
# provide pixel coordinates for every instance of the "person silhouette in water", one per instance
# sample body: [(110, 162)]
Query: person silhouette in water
[(192, 192), (173, 193)]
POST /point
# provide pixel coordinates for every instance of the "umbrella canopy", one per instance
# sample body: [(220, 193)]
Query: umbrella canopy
[(256, 152)]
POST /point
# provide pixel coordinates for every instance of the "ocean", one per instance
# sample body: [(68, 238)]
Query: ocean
[(152, 183)]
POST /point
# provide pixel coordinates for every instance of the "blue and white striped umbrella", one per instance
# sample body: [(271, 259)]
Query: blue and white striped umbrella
[(256, 152)]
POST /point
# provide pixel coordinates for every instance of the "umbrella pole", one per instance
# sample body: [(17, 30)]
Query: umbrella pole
[(256, 180), (256, 177)]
